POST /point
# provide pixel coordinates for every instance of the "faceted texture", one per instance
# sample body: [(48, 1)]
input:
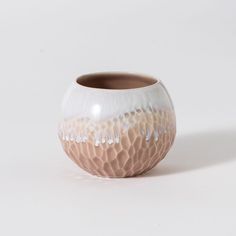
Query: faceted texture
[(124, 146)]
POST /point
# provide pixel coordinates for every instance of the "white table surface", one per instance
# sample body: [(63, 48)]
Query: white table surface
[(190, 45)]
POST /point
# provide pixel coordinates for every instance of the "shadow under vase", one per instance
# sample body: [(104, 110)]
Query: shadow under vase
[(196, 151)]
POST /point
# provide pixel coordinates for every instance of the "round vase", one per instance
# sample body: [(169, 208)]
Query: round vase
[(117, 124)]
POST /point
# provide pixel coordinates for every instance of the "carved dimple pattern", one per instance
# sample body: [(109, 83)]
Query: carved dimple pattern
[(124, 146)]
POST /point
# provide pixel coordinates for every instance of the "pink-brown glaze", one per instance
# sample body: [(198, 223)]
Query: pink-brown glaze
[(125, 146)]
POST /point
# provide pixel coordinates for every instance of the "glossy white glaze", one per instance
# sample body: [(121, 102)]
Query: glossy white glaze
[(100, 104)]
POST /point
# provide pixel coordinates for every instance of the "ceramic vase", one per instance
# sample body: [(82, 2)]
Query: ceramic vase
[(117, 124)]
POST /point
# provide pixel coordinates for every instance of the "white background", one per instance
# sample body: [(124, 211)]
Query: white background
[(190, 45)]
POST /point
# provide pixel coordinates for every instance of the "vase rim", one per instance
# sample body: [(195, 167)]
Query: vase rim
[(136, 81)]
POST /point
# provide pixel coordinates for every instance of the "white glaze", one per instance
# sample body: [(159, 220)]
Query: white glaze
[(100, 104)]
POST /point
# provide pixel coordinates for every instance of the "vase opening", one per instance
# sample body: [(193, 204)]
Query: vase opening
[(115, 81)]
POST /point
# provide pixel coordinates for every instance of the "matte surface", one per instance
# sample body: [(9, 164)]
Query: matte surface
[(124, 152)]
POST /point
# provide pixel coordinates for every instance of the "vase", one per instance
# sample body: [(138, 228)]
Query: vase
[(117, 124)]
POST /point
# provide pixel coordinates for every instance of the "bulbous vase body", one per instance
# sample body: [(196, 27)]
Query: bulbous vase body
[(117, 124)]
